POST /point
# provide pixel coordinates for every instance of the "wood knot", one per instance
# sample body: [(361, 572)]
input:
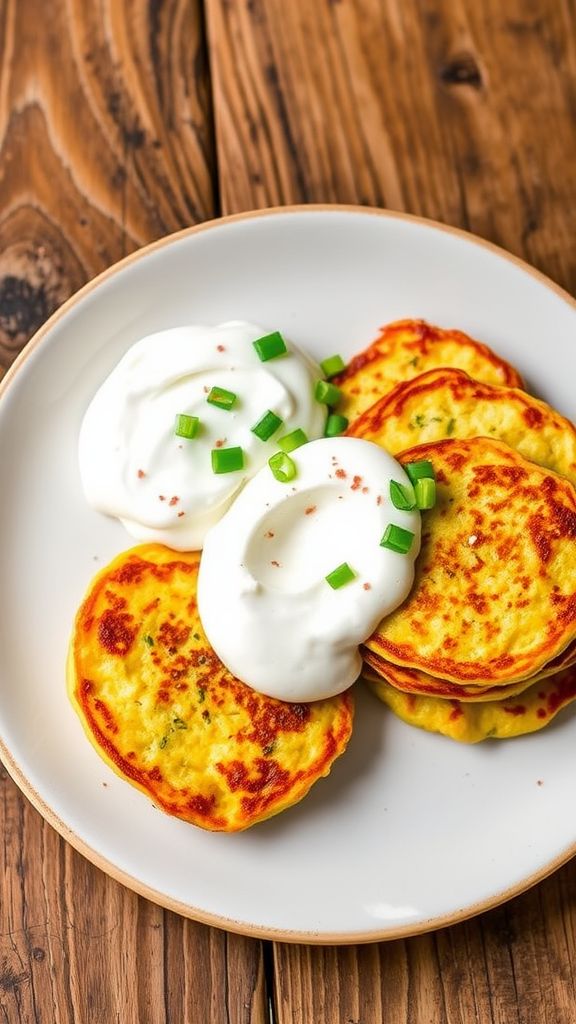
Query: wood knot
[(10, 980), (23, 307), (462, 69)]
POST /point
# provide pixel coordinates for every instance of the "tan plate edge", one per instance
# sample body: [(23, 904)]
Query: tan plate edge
[(16, 773)]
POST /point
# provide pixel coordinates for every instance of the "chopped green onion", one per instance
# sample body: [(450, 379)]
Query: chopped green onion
[(401, 497), (327, 393), (270, 346), (186, 426), (332, 365), (227, 460), (335, 425), (395, 538), (340, 576), (420, 470), (267, 425), (293, 440), (222, 398), (283, 467), (450, 427), (425, 490)]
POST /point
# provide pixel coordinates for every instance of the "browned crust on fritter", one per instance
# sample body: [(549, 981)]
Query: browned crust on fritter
[(232, 721), (518, 565), (424, 337)]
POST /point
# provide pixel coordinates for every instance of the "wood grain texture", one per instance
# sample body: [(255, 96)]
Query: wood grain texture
[(460, 110), (464, 111), (513, 964), (106, 143), (77, 948)]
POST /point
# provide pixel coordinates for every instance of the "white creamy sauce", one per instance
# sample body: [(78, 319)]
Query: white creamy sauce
[(161, 486), (263, 599)]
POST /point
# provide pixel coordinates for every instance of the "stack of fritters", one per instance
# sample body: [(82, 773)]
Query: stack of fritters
[(485, 642)]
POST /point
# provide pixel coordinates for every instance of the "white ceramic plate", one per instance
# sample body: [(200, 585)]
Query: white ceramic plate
[(411, 830)]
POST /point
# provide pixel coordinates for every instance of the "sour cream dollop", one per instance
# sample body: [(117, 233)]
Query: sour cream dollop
[(263, 599), (162, 487)]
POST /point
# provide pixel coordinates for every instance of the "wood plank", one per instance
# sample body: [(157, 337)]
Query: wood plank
[(453, 110), (105, 144), (462, 112), (513, 964), (75, 946)]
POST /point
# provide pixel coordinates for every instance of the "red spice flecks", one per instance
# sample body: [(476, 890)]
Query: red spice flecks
[(141, 474), (310, 510), (365, 490), (541, 713), (341, 474), (220, 442), (161, 497), (269, 533), (277, 564), (174, 500), (517, 709), (379, 499), (206, 390), (220, 348), (367, 586), (115, 633), (180, 514), (356, 481)]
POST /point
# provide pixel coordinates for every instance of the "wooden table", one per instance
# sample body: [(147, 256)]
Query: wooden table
[(123, 120)]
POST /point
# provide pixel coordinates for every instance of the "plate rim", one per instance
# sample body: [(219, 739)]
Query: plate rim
[(17, 773)]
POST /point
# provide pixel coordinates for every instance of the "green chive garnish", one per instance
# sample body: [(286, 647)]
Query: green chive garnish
[(423, 470), (395, 538), (333, 365), (293, 440), (401, 497), (222, 398), (340, 576), (267, 425), (283, 467), (327, 393), (186, 426), (335, 425), (270, 346), (450, 427), (425, 490), (227, 460)]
